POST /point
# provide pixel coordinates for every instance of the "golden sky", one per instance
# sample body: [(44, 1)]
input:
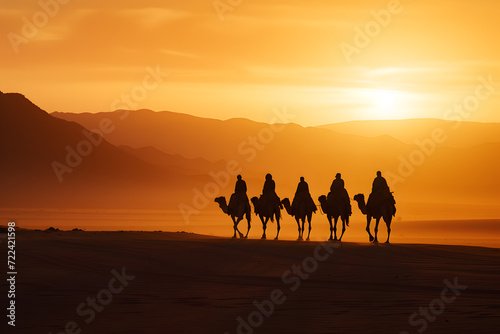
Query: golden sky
[(249, 57)]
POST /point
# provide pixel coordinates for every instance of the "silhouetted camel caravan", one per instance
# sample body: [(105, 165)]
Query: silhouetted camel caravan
[(335, 205)]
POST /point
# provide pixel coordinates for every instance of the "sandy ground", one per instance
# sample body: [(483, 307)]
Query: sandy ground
[(186, 283)]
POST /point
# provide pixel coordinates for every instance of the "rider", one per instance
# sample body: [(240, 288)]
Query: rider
[(241, 186), (240, 194), (337, 184), (380, 183), (269, 190), (338, 191), (303, 194), (380, 192)]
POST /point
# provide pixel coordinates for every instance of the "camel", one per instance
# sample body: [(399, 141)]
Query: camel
[(242, 211), (385, 210), (334, 212), (304, 213), (267, 210)]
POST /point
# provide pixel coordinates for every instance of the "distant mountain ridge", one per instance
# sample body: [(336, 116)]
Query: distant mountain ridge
[(462, 134), (51, 161), (318, 153), (193, 137), (178, 163)]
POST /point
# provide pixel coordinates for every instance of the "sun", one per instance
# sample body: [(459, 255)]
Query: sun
[(385, 104), (386, 99)]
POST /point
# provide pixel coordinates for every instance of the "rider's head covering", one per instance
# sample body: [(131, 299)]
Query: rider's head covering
[(239, 177), (269, 176), (338, 175), (301, 179), (379, 173)]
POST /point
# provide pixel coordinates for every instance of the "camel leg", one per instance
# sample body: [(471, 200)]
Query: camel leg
[(368, 221), (331, 227), (237, 223), (279, 227), (343, 227), (235, 227), (388, 223), (248, 230), (377, 221), (264, 226), (309, 220), (298, 226), (335, 219), (303, 228)]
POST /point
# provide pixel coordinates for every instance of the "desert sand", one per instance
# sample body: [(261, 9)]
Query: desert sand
[(188, 283)]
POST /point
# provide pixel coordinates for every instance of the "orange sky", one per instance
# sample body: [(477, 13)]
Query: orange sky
[(265, 54)]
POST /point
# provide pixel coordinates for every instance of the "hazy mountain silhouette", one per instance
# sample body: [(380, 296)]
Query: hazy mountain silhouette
[(445, 174), (174, 162), (31, 141), (152, 171), (170, 132), (288, 153), (460, 135), (211, 139)]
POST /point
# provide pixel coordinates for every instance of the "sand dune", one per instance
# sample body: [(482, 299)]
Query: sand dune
[(186, 283)]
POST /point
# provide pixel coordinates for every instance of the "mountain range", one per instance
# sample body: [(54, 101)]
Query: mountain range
[(48, 161), (290, 150), (147, 159)]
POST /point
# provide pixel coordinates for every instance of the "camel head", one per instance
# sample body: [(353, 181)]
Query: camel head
[(360, 198), (220, 200), (322, 199), (285, 202), (222, 203), (255, 202), (322, 202), (287, 205)]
